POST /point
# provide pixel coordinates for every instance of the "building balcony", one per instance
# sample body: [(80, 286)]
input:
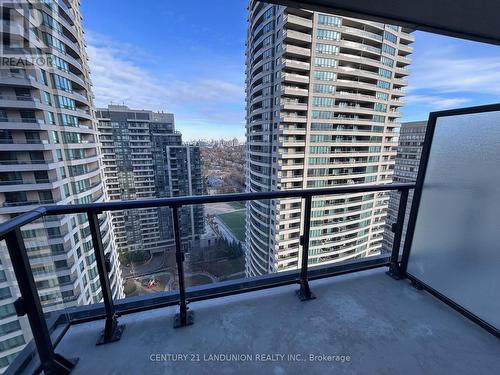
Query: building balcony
[(362, 33), (17, 79), (400, 82), (295, 64), (405, 48), (292, 117), (295, 78), (360, 46), (358, 314), (361, 327), (403, 59), (293, 105), (296, 22), (401, 70), (297, 36), (294, 91), (21, 102), (291, 50)]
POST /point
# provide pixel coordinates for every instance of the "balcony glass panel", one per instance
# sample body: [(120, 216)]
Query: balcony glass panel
[(458, 211)]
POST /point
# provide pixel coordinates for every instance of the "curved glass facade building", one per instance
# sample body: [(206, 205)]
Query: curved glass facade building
[(323, 97), (49, 154)]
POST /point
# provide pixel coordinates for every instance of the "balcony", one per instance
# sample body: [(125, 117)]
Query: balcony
[(362, 33), (21, 102), (299, 52), (404, 59), (295, 64), (297, 22), (17, 79), (293, 105), (293, 118), (356, 316), (360, 46), (347, 308), (295, 78), (296, 36), (294, 91)]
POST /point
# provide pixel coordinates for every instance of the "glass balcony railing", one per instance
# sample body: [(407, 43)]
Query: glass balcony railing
[(209, 268)]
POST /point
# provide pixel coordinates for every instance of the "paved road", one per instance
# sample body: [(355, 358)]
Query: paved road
[(218, 208), (156, 263)]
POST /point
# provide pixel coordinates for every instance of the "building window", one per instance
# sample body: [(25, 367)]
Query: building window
[(325, 62), (64, 102), (7, 310), (46, 98), (324, 76), (379, 107), (10, 327), (51, 118), (384, 85), (326, 89), (393, 27), (61, 83), (382, 95), (387, 61), (324, 19), (324, 34), (12, 343), (5, 293), (7, 360), (59, 63), (328, 49), (43, 74), (320, 101), (384, 73), (390, 37), (322, 115), (68, 120), (388, 49), (54, 42)]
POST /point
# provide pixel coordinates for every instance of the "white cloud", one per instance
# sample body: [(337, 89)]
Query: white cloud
[(452, 71), (118, 77), (446, 73), (436, 102)]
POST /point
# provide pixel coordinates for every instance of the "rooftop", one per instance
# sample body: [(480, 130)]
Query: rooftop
[(383, 325)]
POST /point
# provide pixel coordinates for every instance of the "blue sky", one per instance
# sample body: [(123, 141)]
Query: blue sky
[(187, 57)]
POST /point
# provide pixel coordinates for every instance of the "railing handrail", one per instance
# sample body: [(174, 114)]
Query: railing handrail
[(30, 216), (29, 303)]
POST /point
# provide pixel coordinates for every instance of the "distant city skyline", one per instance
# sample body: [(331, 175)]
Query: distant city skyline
[(207, 94)]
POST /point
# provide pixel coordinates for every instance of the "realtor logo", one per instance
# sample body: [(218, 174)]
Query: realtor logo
[(24, 27)]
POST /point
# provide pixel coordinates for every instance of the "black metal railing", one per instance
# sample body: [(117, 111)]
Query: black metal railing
[(29, 303)]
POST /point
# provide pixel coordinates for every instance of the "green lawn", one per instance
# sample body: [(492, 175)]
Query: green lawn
[(235, 221)]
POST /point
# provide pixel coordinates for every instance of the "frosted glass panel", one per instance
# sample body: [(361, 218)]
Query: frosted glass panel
[(456, 243)]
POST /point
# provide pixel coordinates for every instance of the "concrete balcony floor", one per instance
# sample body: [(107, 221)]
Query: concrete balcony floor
[(384, 326)]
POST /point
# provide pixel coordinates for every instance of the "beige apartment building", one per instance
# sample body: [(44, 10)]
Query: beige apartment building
[(49, 154), (323, 99)]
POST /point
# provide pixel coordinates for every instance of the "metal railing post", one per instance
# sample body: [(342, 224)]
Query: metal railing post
[(29, 303), (184, 317), (112, 330), (394, 268), (304, 292)]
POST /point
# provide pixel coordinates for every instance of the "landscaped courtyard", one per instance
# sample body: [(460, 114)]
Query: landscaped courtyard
[(235, 221)]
